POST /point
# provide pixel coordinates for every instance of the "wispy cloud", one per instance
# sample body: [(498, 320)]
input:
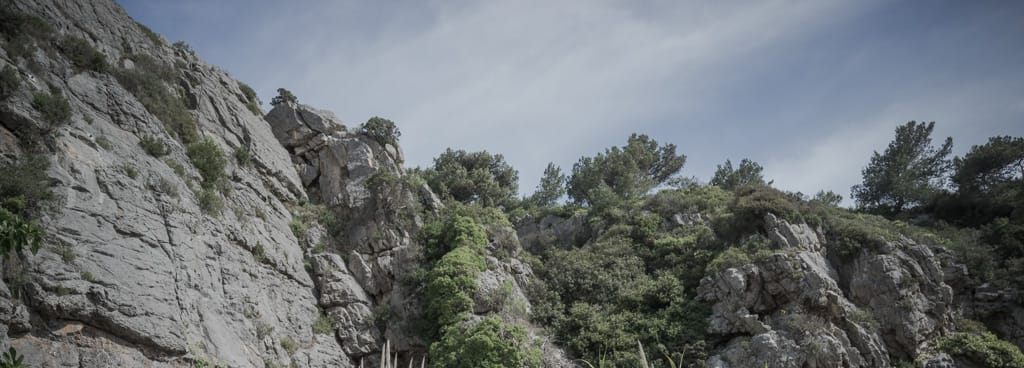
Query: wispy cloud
[(807, 88)]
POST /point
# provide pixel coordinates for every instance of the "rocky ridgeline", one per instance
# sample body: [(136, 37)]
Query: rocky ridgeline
[(798, 308), (135, 271), (318, 224)]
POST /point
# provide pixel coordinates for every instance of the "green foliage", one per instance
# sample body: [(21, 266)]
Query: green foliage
[(283, 96), (828, 198), (184, 47), (440, 237), (208, 158), (24, 185), (242, 156), (131, 171), (16, 233), (289, 345), (989, 181), (11, 359), (54, 108), (259, 253), (104, 143), (210, 201), (87, 276), (489, 343), (909, 173), (150, 82), (152, 36), (473, 177), (154, 146), (251, 100), (748, 173), (82, 55), (984, 349), (323, 325), (381, 130), (627, 172), (9, 81), (551, 187), (451, 284)]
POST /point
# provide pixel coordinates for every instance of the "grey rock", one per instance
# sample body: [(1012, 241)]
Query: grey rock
[(795, 308)]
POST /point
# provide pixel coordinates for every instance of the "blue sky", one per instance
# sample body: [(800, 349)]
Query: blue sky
[(806, 88)]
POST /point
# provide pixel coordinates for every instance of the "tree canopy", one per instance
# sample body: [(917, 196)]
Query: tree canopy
[(551, 187), (748, 173), (283, 95), (473, 177), (909, 173), (625, 172)]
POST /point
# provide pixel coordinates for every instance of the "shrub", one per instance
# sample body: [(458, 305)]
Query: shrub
[(148, 81), (130, 171), (178, 168), (251, 101), (289, 345), (283, 96), (242, 156), (166, 187), (489, 343), (9, 82), (323, 325), (381, 130), (152, 36), (24, 185), (439, 238), (87, 276), (54, 108), (11, 359), (473, 177), (154, 146), (208, 158), (210, 201), (82, 55), (104, 143), (16, 233), (984, 349)]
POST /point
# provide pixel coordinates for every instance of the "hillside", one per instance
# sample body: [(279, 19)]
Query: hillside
[(153, 215)]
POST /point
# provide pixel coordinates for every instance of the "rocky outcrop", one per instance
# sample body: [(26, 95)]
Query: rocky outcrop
[(133, 272), (796, 308)]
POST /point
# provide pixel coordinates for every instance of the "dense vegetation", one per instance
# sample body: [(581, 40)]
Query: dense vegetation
[(633, 277)]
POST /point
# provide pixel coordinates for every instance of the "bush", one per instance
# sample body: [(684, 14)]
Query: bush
[(54, 108), (148, 81), (984, 349), (473, 177), (82, 55), (152, 36), (251, 101), (289, 345), (24, 185), (242, 156), (210, 202), (11, 359), (9, 82), (381, 130), (16, 233), (208, 158), (104, 143), (489, 343), (283, 96), (323, 325), (440, 237), (154, 146)]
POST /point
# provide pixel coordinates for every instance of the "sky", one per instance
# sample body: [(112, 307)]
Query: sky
[(808, 89)]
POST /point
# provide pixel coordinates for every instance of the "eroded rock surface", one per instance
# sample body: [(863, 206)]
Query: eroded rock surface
[(796, 308)]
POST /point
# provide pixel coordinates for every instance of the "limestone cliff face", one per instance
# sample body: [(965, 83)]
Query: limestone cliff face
[(133, 273), (800, 308), (317, 223)]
